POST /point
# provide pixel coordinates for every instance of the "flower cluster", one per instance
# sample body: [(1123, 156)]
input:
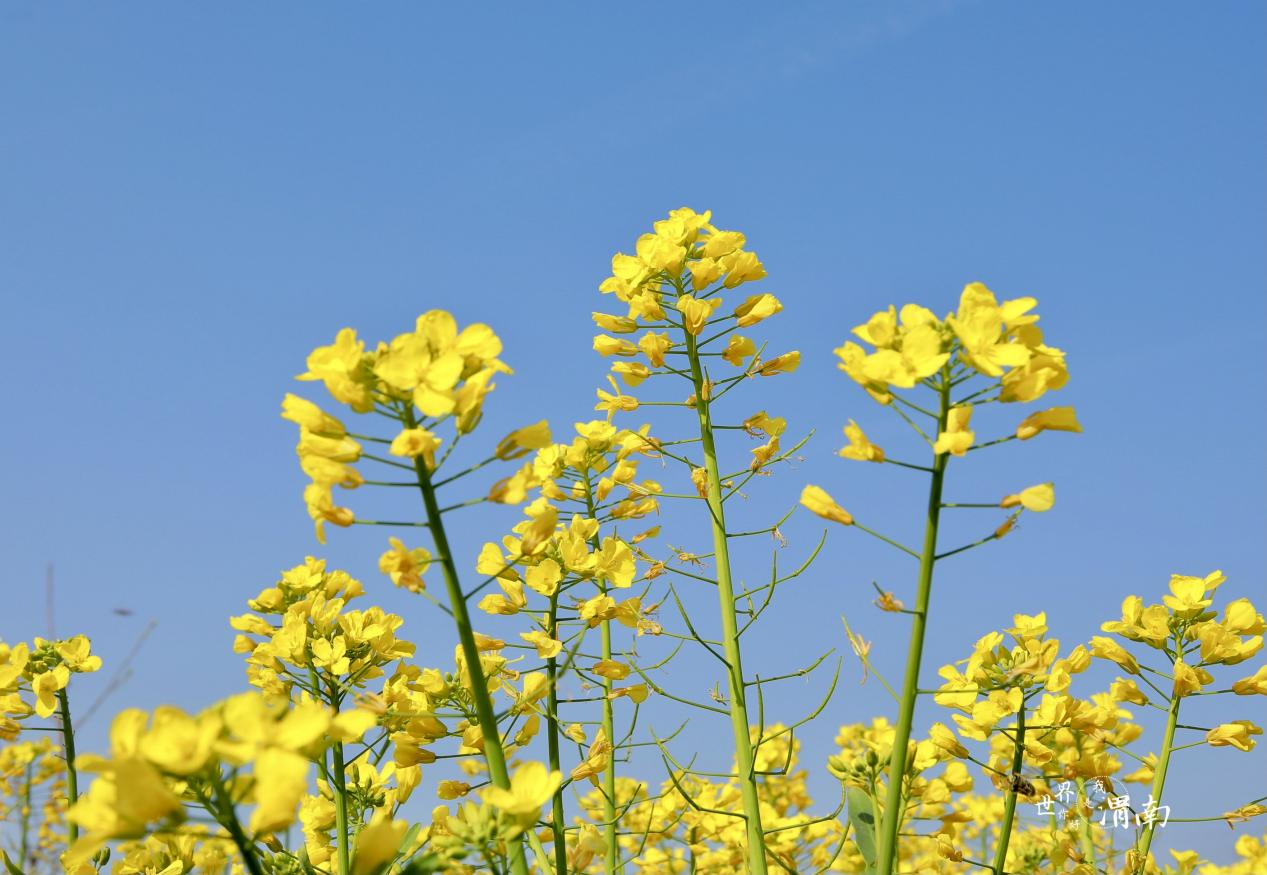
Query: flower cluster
[(32, 675), (300, 631), (160, 761)]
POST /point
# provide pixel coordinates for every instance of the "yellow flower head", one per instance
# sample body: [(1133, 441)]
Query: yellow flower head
[(860, 448), (957, 438), (818, 501)]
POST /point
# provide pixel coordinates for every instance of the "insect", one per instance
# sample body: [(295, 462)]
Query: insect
[(1022, 785)]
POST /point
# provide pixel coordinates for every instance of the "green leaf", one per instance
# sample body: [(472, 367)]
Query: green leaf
[(862, 818), (10, 865)]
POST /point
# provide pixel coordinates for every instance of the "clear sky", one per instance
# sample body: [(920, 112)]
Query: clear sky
[(192, 196)]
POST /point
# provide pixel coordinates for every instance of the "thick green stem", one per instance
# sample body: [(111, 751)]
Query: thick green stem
[(72, 776), (225, 814), (893, 809), (1084, 825), (1159, 779), (738, 701), (494, 755), (340, 807), (552, 739), (1009, 803), (611, 850)]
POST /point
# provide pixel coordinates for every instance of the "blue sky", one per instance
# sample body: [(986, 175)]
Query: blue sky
[(195, 196)]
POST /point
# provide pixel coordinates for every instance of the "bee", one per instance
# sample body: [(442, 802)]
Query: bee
[(1022, 785)]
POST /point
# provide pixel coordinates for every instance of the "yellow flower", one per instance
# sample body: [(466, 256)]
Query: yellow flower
[(1187, 598), (957, 438), (660, 254), (1127, 691), (531, 786), (281, 779), (77, 656), (180, 744), (780, 364), (738, 349), (1188, 680), (547, 647), (1255, 684), (762, 455), (452, 789), (338, 367), (757, 308), (615, 324), (1054, 419), (414, 442), (741, 267), (943, 737), (819, 502), (378, 843), (638, 693), (545, 519), (721, 243), (609, 346), (337, 449), (860, 448), (1036, 498), (886, 601), (309, 416), (631, 373), (1107, 648), (319, 499), (611, 669), (615, 401), (507, 604), (405, 565), (596, 761), (704, 273), (695, 313), (1236, 734), (520, 441), (544, 577), (654, 346), (760, 423), (45, 686), (1240, 618), (947, 850), (979, 325)]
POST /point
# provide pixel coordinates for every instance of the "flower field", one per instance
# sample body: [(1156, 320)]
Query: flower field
[(547, 731)]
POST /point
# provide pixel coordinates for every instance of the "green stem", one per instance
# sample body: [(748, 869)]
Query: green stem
[(228, 818), (730, 630), (886, 855), (494, 755), (552, 738), (72, 776), (1009, 804), (1084, 827), (340, 807), (1159, 778), (611, 850)]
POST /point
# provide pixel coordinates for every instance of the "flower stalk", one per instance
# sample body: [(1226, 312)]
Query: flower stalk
[(1159, 777), (1009, 802), (494, 754), (611, 850), (72, 776), (893, 807), (736, 689)]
